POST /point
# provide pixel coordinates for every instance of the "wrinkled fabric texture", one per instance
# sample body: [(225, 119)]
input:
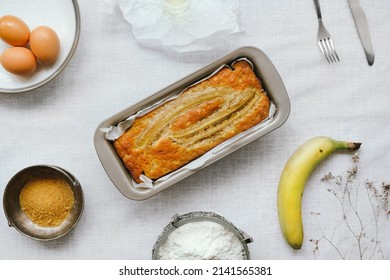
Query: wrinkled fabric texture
[(109, 72)]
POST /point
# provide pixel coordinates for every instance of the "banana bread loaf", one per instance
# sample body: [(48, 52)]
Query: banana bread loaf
[(203, 116)]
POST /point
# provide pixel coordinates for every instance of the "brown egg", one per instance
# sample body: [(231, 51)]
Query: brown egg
[(14, 31), (19, 61), (45, 44)]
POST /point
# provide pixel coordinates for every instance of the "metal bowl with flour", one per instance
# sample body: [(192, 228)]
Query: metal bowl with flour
[(201, 236)]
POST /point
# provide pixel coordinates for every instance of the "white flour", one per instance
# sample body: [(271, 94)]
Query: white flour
[(202, 241)]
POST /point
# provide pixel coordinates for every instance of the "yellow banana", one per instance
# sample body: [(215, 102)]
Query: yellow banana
[(293, 180)]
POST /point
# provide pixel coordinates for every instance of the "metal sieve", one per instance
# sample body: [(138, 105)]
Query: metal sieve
[(198, 216)]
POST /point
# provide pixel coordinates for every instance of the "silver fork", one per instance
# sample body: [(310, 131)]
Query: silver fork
[(323, 38)]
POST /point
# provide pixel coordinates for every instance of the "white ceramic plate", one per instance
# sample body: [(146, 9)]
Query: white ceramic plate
[(61, 15)]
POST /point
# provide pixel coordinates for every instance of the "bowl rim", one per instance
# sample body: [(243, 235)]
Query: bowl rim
[(60, 170), (63, 65)]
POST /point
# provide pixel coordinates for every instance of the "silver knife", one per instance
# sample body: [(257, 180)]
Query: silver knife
[(363, 30)]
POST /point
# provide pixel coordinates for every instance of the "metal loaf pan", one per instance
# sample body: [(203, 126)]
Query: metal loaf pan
[(271, 82)]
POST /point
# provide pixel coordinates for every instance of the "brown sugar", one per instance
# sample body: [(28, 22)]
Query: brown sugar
[(47, 202)]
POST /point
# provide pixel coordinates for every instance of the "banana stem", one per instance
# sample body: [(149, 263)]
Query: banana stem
[(353, 146)]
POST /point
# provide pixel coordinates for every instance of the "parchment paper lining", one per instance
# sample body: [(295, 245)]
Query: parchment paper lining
[(114, 132)]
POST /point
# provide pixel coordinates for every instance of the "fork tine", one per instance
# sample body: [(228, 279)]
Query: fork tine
[(327, 52), (334, 50), (329, 49), (323, 50)]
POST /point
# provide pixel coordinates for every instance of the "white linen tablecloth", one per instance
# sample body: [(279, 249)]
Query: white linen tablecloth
[(110, 71)]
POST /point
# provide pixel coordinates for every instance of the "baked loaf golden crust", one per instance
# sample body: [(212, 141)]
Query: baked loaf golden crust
[(185, 128)]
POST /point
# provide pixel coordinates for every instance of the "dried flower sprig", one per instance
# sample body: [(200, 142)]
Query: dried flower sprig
[(363, 230)]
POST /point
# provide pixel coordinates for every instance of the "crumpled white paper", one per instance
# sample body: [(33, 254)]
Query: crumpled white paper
[(180, 25)]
